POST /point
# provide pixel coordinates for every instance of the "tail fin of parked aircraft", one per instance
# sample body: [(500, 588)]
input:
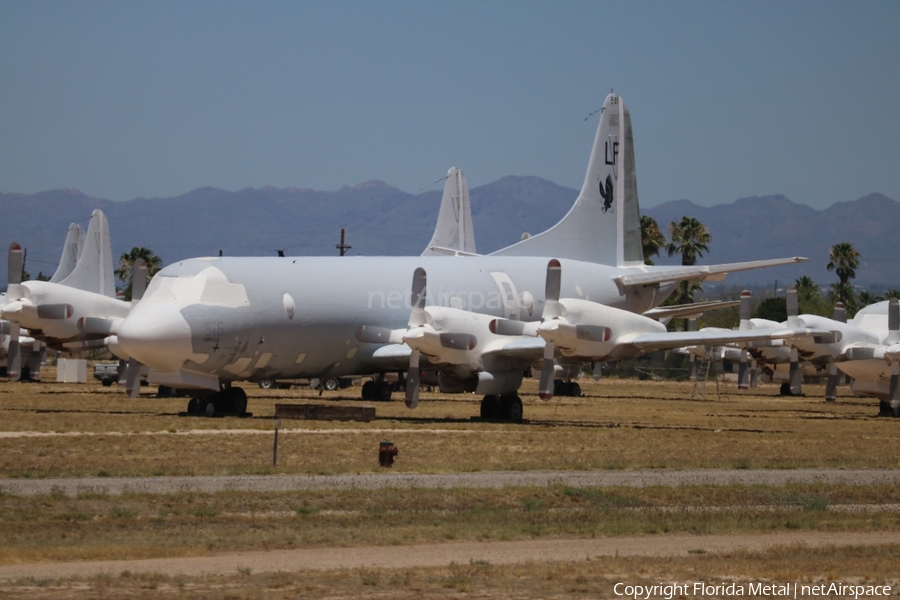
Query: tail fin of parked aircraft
[(604, 224), (453, 233), (94, 270), (71, 251)]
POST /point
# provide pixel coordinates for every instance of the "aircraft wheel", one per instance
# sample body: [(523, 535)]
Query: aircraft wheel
[(210, 408), (238, 400), (490, 407), (193, 405), (560, 388), (574, 389), (331, 384), (266, 384), (368, 391), (384, 392), (512, 408)]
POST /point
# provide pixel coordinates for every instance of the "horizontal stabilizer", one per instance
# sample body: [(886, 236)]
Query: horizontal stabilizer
[(695, 309), (700, 272)]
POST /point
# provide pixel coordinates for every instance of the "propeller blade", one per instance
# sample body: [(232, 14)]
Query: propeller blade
[(840, 312), (746, 310), (895, 388), (795, 373), (742, 371), (139, 272), (417, 298), (413, 380), (551, 291), (55, 311), (793, 305), (832, 383), (15, 264), (458, 341), (132, 378), (548, 369), (893, 321), (14, 355)]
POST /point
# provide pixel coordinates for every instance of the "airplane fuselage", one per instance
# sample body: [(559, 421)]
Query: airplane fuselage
[(265, 317)]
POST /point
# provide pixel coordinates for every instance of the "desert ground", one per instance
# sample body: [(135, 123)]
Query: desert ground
[(633, 483)]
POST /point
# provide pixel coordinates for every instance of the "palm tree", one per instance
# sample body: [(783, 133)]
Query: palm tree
[(652, 239), (806, 288), (843, 292), (866, 298), (843, 259), (891, 293), (689, 237), (126, 264)]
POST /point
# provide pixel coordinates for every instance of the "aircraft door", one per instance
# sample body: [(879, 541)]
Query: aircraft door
[(509, 297)]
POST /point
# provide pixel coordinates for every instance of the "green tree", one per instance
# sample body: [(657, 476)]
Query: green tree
[(866, 298), (652, 239), (689, 238), (126, 264), (891, 293), (809, 299), (843, 259), (843, 292)]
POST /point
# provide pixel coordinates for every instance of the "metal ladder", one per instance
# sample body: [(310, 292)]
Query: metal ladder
[(708, 364)]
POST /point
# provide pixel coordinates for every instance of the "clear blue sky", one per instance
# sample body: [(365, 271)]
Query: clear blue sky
[(728, 99)]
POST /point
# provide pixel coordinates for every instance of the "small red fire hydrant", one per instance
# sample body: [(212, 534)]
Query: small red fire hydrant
[(386, 453)]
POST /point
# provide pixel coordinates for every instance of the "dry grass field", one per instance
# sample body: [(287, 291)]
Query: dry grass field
[(69, 431)]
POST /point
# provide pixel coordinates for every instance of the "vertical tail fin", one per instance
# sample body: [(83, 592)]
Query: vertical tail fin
[(94, 270), (604, 224), (71, 251), (453, 232)]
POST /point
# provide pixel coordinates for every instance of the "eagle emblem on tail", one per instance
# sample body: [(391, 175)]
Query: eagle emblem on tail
[(607, 193)]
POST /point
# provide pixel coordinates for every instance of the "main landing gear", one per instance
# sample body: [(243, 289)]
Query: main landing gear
[(377, 391), (505, 407), (228, 401), (566, 388)]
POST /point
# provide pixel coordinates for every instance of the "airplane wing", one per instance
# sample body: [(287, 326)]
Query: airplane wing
[(701, 272)]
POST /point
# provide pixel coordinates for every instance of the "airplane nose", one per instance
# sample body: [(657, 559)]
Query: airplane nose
[(157, 335)]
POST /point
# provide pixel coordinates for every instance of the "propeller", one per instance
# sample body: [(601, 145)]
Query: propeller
[(139, 272), (551, 311), (793, 309), (745, 355), (14, 292), (893, 352), (417, 319)]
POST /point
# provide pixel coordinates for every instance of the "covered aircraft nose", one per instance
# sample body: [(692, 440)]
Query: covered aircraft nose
[(157, 335)]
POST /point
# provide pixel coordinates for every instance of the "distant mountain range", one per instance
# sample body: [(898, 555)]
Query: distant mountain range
[(383, 220)]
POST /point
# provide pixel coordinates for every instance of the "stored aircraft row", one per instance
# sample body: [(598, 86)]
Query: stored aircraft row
[(574, 294)]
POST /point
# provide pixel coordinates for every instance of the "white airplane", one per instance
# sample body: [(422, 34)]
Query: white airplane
[(20, 354), (867, 349), (207, 322), (453, 233), (64, 313)]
